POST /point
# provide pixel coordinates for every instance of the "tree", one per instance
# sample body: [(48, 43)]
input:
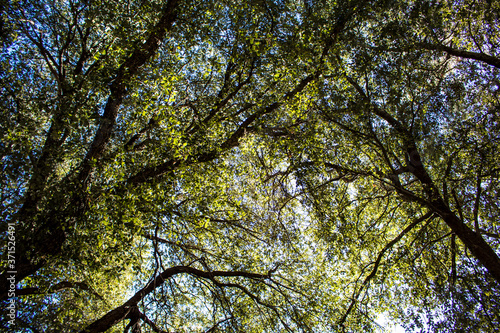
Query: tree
[(260, 166), (106, 150), (401, 145)]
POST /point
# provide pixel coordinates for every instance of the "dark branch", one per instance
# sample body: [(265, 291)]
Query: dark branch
[(479, 56), (118, 88), (122, 312)]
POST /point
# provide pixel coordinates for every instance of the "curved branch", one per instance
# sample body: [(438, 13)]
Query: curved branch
[(122, 312)]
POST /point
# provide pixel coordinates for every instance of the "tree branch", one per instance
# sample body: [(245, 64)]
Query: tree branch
[(231, 142), (120, 313), (118, 88), (479, 56), (472, 240), (49, 234), (376, 264)]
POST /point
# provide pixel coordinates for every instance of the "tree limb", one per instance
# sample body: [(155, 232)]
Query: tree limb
[(479, 56), (120, 313), (118, 88)]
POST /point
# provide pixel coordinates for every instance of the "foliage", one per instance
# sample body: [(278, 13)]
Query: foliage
[(259, 166)]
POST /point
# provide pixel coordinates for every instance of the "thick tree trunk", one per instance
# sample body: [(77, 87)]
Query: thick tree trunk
[(472, 240)]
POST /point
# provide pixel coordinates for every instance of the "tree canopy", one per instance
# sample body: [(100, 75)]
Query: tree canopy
[(250, 166)]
